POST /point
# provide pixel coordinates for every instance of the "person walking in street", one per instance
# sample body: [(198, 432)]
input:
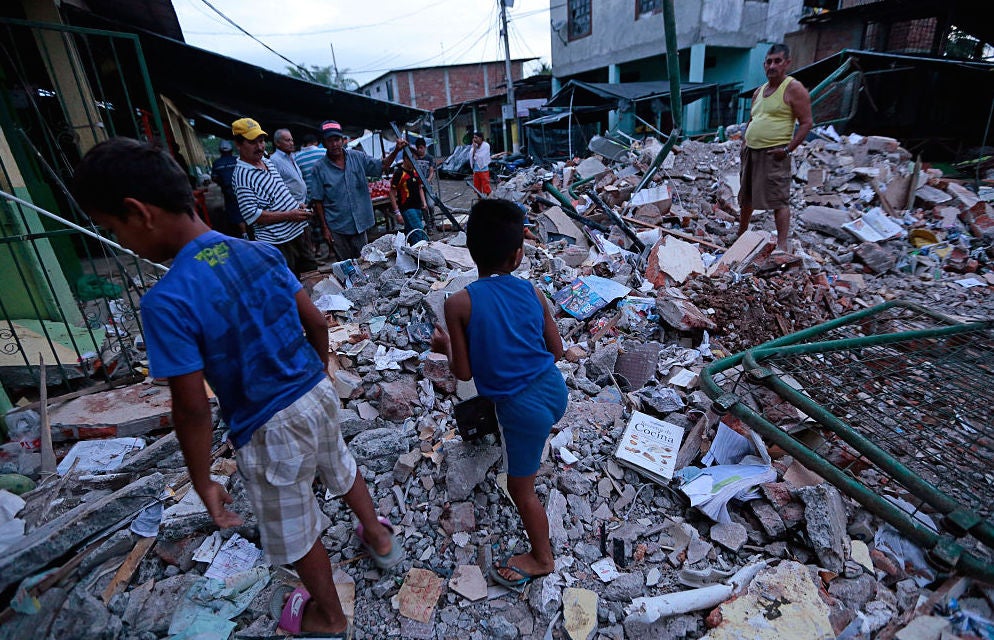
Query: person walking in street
[(479, 161), (287, 166)]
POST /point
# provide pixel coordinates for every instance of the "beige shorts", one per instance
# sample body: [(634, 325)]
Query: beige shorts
[(279, 464)]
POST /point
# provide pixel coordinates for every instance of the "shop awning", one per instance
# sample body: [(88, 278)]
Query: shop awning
[(604, 95)]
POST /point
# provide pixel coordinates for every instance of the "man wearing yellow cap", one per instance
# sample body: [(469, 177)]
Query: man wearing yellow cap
[(264, 200)]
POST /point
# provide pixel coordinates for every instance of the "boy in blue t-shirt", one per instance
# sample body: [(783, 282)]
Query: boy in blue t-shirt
[(504, 337), (230, 312)]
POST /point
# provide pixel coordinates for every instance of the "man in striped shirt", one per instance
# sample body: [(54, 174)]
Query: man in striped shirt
[(264, 200)]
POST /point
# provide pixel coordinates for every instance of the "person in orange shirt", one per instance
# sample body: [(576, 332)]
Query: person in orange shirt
[(770, 137)]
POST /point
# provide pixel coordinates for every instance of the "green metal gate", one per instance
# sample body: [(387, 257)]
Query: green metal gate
[(893, 406), (65, 294)]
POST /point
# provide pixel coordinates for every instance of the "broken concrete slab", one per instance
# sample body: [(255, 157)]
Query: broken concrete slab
[(876, 258), (466, 465), (579, 613), (398, 398), (554, 221), (742, 251), (419, 594), (468, 581), (128, 411), (379, 448), (53, 539), (682, 314), (825, 522), (591, 168), (781, 602), (828, 221)]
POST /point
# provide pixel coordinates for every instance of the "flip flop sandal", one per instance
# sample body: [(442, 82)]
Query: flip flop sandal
[(290, 613), (516, 585), (389, 559)]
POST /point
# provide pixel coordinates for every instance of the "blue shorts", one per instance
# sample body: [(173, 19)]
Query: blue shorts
[(526, 420)]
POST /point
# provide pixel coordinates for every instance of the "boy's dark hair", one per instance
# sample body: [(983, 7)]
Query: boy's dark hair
[(122, 168), (420, 141), (495, 230), (477, 133), (309, 138)]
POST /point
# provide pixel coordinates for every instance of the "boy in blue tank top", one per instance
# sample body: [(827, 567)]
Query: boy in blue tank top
[(504, 338), (230, 313)]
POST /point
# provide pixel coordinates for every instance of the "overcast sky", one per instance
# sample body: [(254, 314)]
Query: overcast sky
[(370, 37)]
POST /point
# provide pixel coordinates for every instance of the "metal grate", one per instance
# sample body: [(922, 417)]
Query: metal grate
[(890, 404)]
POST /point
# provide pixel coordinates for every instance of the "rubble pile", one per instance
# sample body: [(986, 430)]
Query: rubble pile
[(653, 289)]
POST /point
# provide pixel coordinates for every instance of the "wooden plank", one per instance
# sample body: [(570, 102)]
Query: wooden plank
[(883, 201), (47, 452), (127, 568), (679, 234)]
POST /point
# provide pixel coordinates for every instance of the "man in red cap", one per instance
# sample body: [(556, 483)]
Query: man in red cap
[(340, 197)]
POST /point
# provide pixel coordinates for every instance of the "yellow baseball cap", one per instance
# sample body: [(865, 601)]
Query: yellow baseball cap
[(247, 128)]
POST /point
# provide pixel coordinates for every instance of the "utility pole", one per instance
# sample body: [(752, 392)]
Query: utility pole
[(511, 112)]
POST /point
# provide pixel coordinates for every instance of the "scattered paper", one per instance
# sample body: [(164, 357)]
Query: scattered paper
[(966, 283), (207, 607), (605, 569), (711, 489), (333, 302), (391, 359), (99, 455), (208, 548), (874, 226), (236, 556), (728, 447)]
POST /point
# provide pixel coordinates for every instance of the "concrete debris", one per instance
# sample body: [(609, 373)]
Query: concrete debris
[(633, 560)]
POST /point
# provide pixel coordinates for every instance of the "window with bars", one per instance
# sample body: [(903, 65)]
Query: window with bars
[(646, 7), (579, 19)]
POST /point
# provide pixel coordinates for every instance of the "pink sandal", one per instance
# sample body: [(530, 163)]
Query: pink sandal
[(291, 613)]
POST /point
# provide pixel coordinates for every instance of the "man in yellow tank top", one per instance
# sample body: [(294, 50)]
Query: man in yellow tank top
[(770, 137)]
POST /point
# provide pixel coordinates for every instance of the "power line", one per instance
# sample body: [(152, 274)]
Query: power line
[(319, 32), (280, 55)]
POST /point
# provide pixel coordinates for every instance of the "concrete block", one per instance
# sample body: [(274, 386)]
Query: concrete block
[(827, 221), (128, 411)]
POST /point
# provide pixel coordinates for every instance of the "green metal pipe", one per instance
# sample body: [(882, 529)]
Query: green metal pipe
[(578, 183), (569, 209), (673, 66), (676, 103), (963, 518), (942, 548), (832, 77)]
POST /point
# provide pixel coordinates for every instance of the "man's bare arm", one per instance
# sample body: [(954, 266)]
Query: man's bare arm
[(799, 100), (315, 326), (273, 217)]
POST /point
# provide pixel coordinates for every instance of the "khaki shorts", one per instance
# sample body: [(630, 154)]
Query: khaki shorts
[(764, 181), (279, 464)]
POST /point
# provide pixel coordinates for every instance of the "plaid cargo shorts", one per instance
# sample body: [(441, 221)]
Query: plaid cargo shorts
[(278, 466)]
